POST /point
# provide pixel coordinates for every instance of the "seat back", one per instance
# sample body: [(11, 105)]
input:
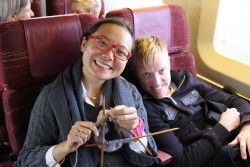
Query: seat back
[(32, 53), (169, 23), (36, 8), (4, 140), (59, 7)]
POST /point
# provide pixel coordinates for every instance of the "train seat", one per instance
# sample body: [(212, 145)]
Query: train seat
[(4, 141), (169, 23), (32, 53), (59, 7), (36, 8)]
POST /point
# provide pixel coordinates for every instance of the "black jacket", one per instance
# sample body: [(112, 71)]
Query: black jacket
[(195, 108)]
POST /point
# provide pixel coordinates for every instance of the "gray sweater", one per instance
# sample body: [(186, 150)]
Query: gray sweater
[(60, 104)]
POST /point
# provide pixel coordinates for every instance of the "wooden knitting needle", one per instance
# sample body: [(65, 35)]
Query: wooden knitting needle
[(137, 137), (146, 148), (103, 105), (105, 116), (101, 120), (156, 133), (151, 134), (91, 145), (103, 113), (102, 155)]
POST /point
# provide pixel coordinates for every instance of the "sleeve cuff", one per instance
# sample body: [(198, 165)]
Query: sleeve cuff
[(50, 159), (140, 128)]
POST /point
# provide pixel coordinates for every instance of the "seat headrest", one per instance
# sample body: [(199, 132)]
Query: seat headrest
[(36, 8), (52, 43), (166, 21), (40, 48)]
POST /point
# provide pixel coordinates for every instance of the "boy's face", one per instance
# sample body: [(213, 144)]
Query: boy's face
[(77, 7), (155, 79)]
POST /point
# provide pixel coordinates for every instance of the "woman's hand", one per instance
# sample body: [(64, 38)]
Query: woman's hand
[(125, 117), (79, 134)]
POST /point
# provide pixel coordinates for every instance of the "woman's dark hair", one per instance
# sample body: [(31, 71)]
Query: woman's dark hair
[(111, 20)]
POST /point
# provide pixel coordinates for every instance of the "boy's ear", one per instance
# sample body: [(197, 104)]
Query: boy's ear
[(83, 44)]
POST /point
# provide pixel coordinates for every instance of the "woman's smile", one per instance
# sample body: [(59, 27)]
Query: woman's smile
[(98, 63)]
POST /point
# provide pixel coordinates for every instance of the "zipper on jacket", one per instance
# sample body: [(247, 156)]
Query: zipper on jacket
[(173, 102), (182, 81)]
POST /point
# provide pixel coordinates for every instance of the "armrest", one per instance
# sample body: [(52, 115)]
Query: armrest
[(163, 157)]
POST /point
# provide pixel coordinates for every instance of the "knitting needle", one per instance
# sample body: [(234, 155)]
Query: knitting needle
[(92, 145), (101, 120), (151, 134), (137, 137), (156, 133), (102, 151), (102, 154), (146, 148)]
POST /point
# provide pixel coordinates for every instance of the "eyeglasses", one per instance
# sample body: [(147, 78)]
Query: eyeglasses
[(105, 44)]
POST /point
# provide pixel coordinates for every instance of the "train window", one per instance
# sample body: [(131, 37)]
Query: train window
[(223, 44), (232, 35), (117, 4)]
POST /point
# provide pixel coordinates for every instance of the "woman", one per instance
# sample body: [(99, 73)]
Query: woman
[(15, 10), (63, 119)]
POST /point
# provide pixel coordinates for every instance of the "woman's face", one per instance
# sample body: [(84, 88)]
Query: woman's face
[(25, 13), (103, 65)]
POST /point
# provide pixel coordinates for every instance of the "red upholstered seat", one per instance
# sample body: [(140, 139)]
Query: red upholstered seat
[(36, 8), (58, 7), (32, 53), (167, 22)]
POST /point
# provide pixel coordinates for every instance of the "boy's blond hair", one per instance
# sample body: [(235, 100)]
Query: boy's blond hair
[(146, 48)]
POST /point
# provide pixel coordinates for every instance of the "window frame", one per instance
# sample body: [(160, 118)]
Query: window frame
[(218, 67)]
